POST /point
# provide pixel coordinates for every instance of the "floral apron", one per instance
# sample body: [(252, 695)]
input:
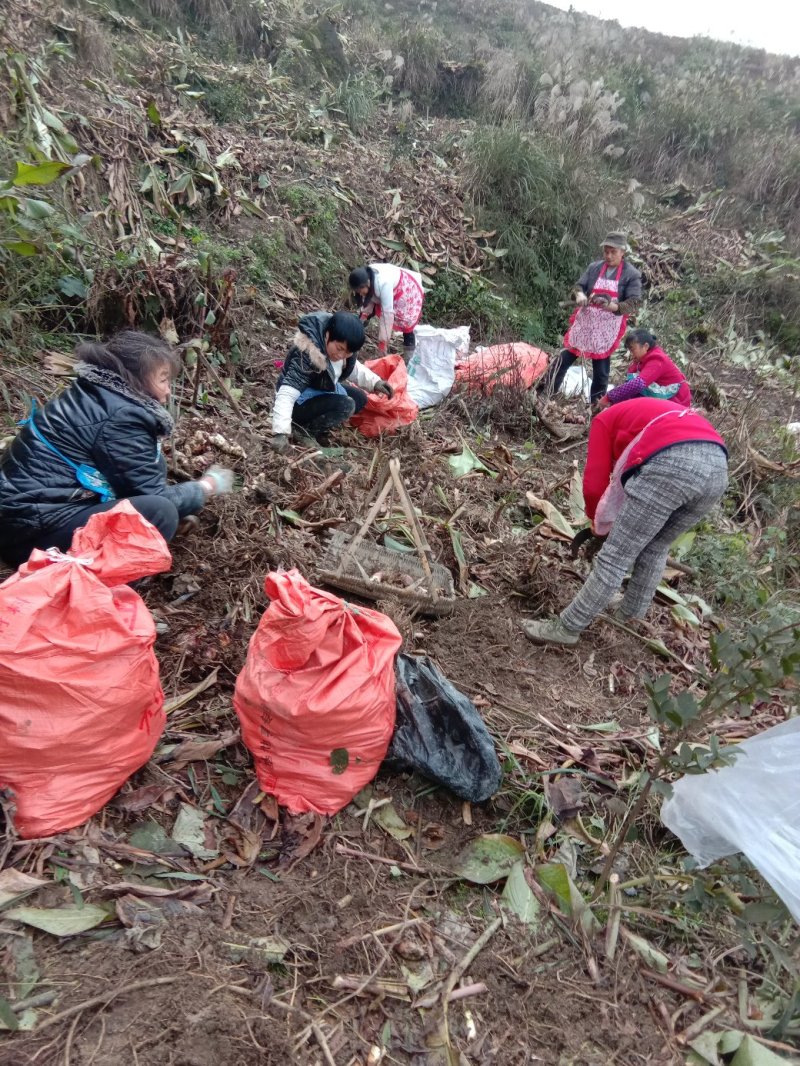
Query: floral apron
[(408, 297), (593, 331)]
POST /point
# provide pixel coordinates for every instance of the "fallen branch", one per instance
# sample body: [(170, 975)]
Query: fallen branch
[(41, 999), (177, 702), (351, 940), (676, 986), (658, 646), (106, 998), (323, 1043), (305, 499), (466, 961), (674, 564), (287, 472), (226, 392), (355, 854), (476, 989), (697, 1027), (373, 986)]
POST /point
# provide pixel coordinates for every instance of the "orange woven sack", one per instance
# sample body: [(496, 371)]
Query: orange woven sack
[(513, 365), (316, 696), (80, 697), (381, 414)]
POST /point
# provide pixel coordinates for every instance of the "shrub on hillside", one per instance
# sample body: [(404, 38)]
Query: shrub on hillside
[(356, 98), (687, 135), (768, 176), (549, 213), (244, 25)]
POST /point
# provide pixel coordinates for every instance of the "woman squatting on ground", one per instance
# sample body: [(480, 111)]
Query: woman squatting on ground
[(98, 442), (651, 373), (653, 470), (314, 392)]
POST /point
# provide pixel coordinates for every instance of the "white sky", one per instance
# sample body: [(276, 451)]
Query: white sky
[(770, 24)]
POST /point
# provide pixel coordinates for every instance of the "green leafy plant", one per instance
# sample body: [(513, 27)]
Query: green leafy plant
[(745, 670), (356, 98), (546, 213)]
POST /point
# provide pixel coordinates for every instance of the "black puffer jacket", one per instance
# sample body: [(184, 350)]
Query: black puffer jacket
[(307, 365), (98, 421)]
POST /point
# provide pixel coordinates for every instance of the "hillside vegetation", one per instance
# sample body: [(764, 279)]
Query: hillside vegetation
[(283, 142)]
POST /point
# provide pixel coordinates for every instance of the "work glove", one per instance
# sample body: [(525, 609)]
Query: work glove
[(581, 299), (279, 442), (600, 405), (384, 389), (217, 481)]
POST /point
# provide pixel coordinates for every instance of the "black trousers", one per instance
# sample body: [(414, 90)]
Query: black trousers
[(156, 509), (319, 415), (552, 379)]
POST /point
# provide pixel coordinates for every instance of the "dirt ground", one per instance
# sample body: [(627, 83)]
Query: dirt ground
[(334, 942)]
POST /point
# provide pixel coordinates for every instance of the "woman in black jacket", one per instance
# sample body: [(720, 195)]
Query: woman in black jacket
[(315, 389), (98, 442)]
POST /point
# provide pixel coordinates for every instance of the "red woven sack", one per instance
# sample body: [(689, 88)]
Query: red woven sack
[(316, 696), (381, 414), (513, 365), (80, 697)]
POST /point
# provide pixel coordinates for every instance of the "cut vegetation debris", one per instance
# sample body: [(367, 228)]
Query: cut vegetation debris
[(211, 171)]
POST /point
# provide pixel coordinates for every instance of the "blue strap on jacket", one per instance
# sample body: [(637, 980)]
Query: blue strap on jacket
[(86, 476)]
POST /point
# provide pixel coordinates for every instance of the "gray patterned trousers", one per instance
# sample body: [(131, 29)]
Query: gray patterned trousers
[(665, 497)]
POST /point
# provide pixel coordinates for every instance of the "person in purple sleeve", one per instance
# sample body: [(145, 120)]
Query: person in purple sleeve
[(651, 373)]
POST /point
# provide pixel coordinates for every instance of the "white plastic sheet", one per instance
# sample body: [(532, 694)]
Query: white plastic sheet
[(752, 806), (578, 381), (432, 368)]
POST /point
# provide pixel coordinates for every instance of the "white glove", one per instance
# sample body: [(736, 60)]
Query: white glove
[(581, 299), (217, 481)]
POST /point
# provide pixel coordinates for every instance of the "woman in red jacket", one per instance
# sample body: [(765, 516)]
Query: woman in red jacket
[(651, 373), (653, 470)]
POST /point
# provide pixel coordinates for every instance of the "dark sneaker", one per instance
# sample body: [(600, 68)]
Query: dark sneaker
[(304, 438)]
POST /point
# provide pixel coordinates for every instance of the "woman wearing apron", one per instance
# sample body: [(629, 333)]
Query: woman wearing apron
[(608, 291), (394, 296)]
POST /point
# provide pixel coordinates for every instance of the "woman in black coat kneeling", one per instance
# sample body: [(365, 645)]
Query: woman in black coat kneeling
[(322, 383), (98, 442)]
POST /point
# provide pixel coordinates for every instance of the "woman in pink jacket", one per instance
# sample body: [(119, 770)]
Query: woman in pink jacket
[(651, 373)]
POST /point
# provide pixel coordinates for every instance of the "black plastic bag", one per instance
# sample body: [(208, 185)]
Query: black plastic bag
[(440, 734)]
